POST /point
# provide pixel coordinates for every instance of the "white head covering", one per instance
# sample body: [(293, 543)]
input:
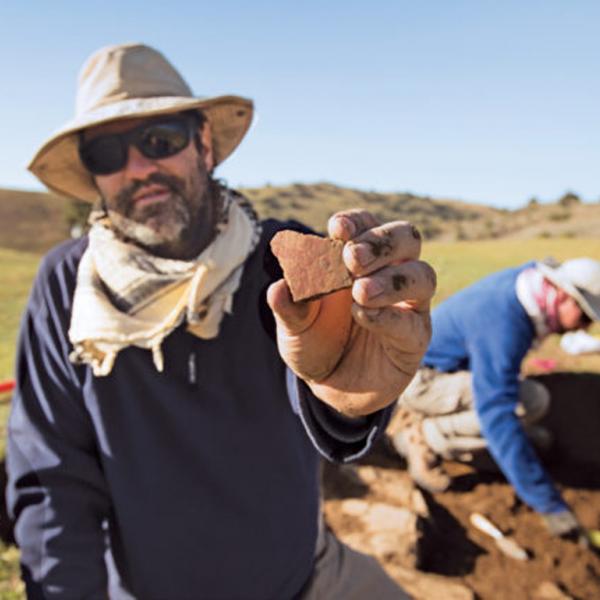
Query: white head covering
[(580, 278)]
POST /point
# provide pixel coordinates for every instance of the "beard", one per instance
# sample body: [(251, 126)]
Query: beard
[(153, 224), (178, 227)]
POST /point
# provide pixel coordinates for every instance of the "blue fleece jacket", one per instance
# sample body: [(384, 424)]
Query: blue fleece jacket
[(485, 329)]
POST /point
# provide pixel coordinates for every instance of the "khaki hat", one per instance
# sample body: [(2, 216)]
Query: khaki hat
[(123, 82), (580, 278)]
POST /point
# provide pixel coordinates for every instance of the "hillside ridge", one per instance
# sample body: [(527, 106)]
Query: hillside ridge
[(35, 221)]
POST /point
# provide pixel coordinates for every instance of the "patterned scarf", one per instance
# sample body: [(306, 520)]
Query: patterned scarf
[(540, 301), (125, 296)]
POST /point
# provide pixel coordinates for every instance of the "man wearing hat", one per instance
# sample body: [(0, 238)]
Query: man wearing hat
[(468, 394), (172, 400)]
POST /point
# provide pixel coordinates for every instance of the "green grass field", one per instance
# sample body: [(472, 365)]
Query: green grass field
[(457, 263), (18, 270)]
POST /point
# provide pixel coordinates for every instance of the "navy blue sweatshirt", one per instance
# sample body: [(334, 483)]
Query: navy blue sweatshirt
[(198, 482)]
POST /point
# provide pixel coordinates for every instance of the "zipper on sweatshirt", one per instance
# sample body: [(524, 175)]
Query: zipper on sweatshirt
[(192, 370)]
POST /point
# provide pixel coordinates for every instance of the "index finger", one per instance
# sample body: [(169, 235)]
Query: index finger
[(392, 243), (347, 224)]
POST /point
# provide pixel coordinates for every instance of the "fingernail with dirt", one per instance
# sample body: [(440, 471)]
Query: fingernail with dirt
[(349, 226), (363, 254)]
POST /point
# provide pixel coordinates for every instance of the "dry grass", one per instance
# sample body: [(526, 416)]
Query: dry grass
[(32, 221)]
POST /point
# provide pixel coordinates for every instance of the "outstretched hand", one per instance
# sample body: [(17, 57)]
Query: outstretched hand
[(358, 348)]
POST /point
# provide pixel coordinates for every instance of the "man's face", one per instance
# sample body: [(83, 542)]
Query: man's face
[(164, 205), (570, 315)]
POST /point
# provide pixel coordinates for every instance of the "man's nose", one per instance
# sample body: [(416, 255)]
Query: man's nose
[(138, 166)]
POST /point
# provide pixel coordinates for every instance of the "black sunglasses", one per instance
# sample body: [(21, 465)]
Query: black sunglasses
[(158, 139)]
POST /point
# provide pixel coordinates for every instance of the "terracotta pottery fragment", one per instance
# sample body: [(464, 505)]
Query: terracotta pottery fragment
[(312, 265)]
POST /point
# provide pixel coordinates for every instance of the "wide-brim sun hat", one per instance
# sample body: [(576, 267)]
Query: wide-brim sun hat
[(580, 278), (124, 82)]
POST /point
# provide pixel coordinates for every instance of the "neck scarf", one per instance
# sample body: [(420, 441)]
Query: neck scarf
[(539, 298), (125, 296)]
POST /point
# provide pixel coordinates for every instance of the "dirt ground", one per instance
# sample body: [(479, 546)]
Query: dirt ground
[(467, 563)]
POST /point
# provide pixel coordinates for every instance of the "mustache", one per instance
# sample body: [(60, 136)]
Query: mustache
[(125, 197)]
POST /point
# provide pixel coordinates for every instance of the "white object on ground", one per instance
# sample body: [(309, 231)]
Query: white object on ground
[(579, 342), (504, 543)]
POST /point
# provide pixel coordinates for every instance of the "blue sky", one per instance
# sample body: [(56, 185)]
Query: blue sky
[(488, 102)]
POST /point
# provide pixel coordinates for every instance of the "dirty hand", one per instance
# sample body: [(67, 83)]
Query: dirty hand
[(358, 348), (564, 524)]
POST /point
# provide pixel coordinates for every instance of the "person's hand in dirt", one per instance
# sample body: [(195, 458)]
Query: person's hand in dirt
[(564, 524), (358, 348)]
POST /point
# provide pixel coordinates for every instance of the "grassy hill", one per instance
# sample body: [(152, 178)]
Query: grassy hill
[(32, 221), (438, 219), (314, 204), (35, 221)]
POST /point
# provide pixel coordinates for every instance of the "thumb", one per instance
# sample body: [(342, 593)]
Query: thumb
[(294, 317)]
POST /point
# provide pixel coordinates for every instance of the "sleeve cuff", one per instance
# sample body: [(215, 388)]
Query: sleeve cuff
[(336, 437)]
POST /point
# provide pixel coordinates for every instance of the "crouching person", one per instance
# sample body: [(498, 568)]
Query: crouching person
[(468, 393)]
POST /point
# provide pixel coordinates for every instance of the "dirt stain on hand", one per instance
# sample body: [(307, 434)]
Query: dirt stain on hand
[(399, 281), (382, 247)]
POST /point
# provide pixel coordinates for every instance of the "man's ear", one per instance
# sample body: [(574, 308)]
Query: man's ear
[(204, 140)]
